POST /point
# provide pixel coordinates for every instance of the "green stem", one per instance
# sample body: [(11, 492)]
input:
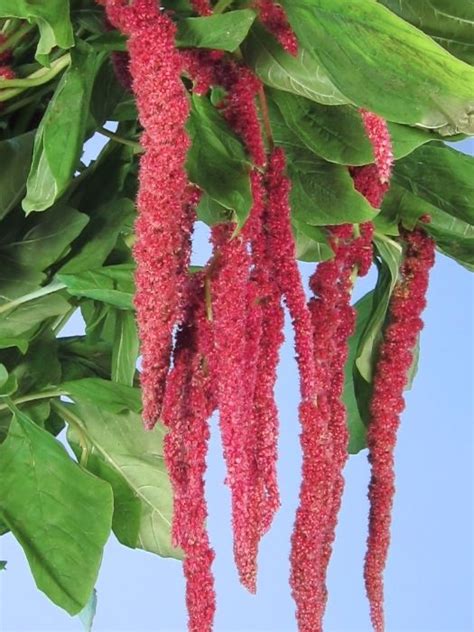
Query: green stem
[(221, 6), (55, 286), (10, 88), (74, 421), (120, 139), (15, 37), (33, 397), (35, 96)]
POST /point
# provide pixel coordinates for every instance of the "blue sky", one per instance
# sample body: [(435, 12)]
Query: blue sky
[(429, 574)]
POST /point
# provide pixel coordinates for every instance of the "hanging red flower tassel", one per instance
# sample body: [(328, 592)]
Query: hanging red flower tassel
[(189, 402), (391, 374), (273, 17), (163, 223)]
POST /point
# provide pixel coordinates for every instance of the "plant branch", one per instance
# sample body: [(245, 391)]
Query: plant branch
[(33, 397), (10, 88), (55, 286), (120, 139)]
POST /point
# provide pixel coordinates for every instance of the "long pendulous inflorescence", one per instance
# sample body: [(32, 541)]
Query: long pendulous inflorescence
[(210, 339), (396, 355)]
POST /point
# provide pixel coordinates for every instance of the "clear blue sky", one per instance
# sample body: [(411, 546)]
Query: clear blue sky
[(429, 574)]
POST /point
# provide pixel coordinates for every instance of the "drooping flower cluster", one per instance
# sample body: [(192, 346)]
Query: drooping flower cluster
[(391, 375), (223, 326), (273, 16), (164, 221)]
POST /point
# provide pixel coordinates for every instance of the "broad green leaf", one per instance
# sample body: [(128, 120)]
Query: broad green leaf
[(111, 284), (100, 236), (448, 22), (136, 457), (217, 161), (60, 136), (87, 614), (3, 565), (225, 31), (17, 279), (453, 236), (211, 212), (25, 318), (49, 238), (60, 514), (52, 19), (125, 348), (40, 368), (401, 73), (390, 253), (110, 396), (311, 243), (322, 193), (3, 375), (15, 158), (80, 358), (107, 93), (9, 386), (337, 133), (301, 75), (356, 425), (442, 176)]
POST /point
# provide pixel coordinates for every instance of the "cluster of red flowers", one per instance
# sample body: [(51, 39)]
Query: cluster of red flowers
[(226, 323), (6, 72), (273, 16), (395, 359)]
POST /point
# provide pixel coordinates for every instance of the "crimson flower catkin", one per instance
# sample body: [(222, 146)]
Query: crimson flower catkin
[(391, 374), (189, 402), (273, 17), (163, 221)]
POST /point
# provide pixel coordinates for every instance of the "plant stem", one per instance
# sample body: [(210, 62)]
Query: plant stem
[(76, 423), (15, 37), (221, 6), (119, 139), (35, 96), (10, 88), (33, 397), (55, 286)]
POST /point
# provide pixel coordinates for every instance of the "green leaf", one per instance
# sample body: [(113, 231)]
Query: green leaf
[(49, 238), (390, 253), (337, 133), (211, 212), (110, 396), (24, 319), (401, 73), (60, 514), (88, 613), (448, 22), (9, 387), (322, 193), (107, 93), (357, 428), (100, 236), (125, 348), (454, 237), (3, 565), (60, 136), (15, 158), (311, 243), (301, 75), (136, 457), (52, 19), (111, 284), (442, 176), (81, 358), (225, 31), (217, 161)]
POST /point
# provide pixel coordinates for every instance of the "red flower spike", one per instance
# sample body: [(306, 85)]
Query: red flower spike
[(379, 136), (391, 374), (229, 303), (285, 268), (273, 17), (202, 7), (7, 73), (164, 217), (189, 402)]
